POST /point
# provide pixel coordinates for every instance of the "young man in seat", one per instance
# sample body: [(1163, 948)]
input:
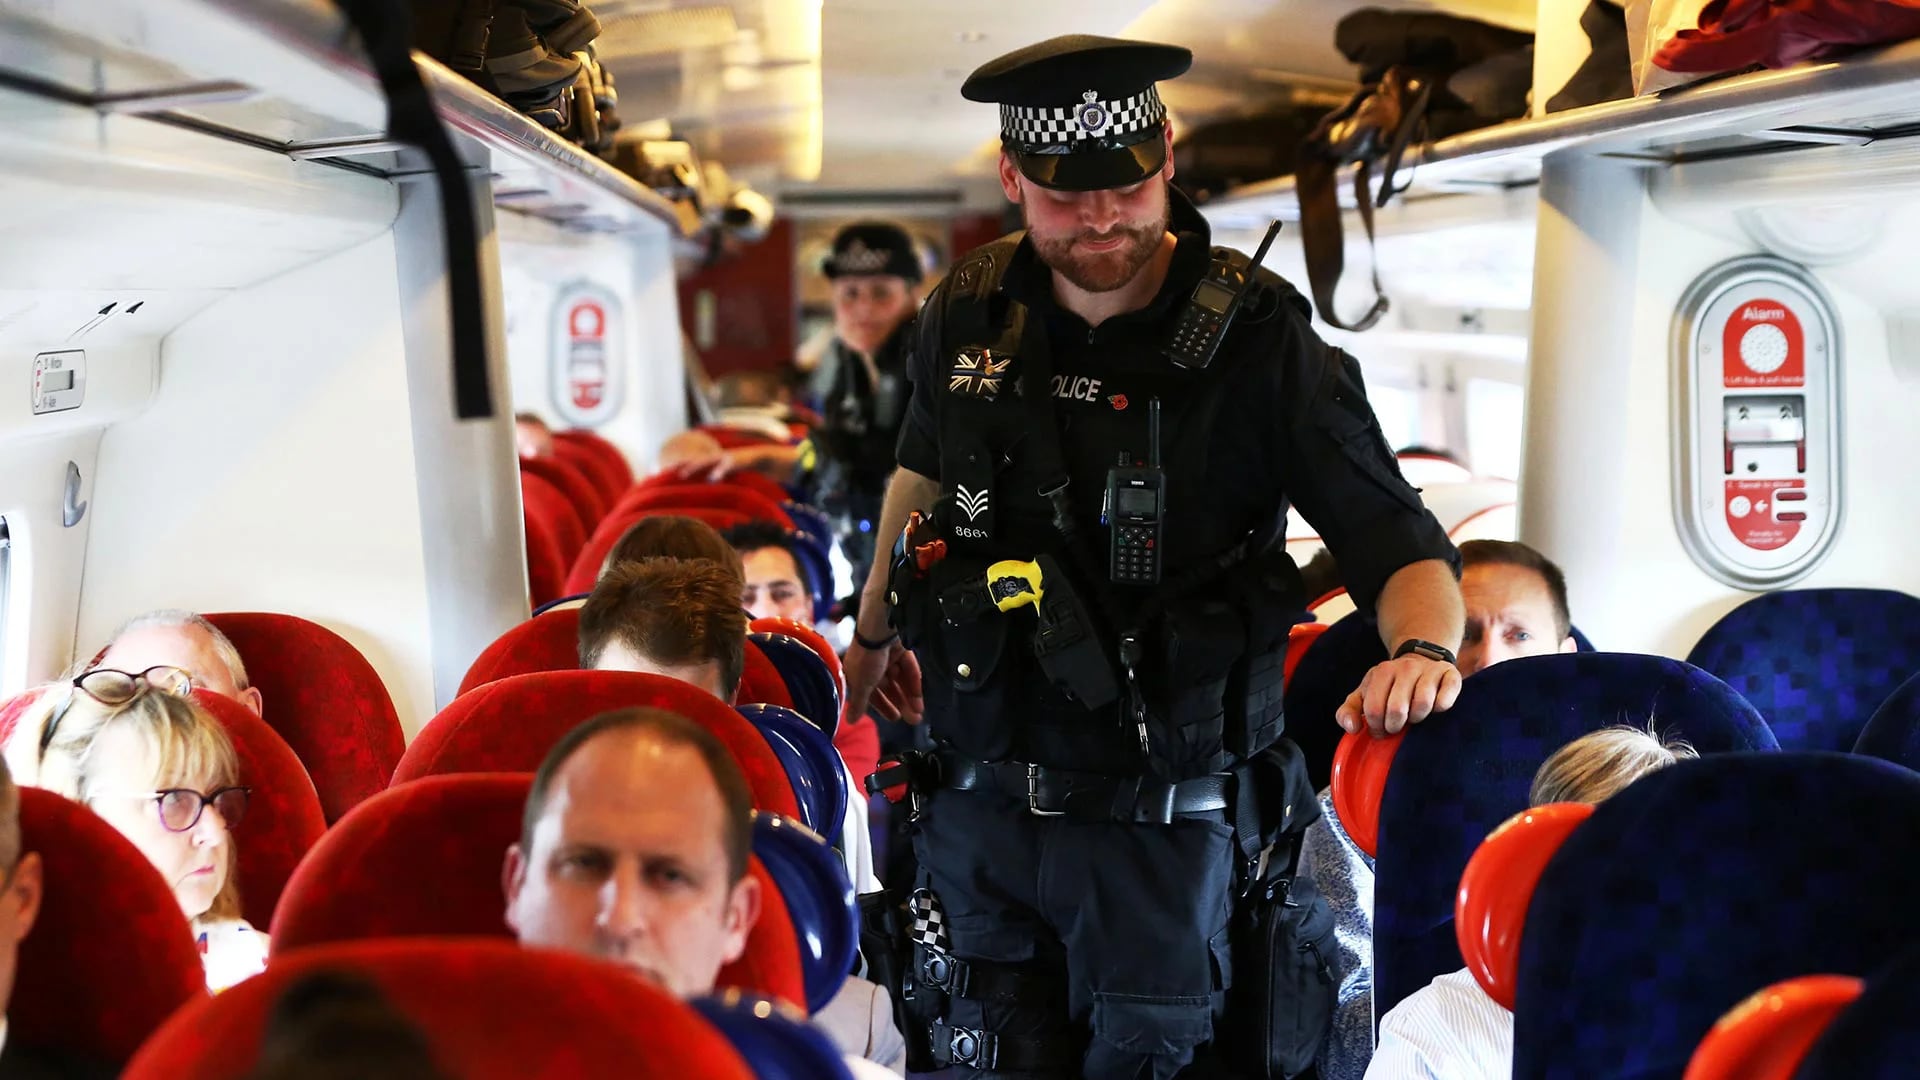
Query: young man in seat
[(634, 849)]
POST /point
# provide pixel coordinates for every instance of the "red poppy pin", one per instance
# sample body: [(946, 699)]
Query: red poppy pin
[(1118, 401)]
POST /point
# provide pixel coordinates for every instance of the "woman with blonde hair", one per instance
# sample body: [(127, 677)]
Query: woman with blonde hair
[(151, 762)]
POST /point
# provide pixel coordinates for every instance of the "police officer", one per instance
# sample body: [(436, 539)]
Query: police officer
[(874, 269), (1077, 840)]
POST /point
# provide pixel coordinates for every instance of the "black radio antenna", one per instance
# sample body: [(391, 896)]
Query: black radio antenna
[(1260, 253), (1153, 433)]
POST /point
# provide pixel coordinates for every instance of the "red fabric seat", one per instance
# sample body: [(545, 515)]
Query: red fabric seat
[(111, 955), (751, 481), (674, 497), (324, 699), (432, 851), (613, 456), (546, 569), (489, 1010), (14, 708), (549, 641), (579, 488), (542, 499), (586, 568), (509, 725), (283, 820), (606, 480)]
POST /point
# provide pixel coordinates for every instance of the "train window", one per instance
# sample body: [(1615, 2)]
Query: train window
[(1398, 410), (1495, 410)]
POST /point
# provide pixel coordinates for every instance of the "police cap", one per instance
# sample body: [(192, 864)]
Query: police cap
[(1080, 112), (873, 247)]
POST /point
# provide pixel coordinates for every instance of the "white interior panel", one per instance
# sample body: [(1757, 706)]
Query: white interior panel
[(275, 472)]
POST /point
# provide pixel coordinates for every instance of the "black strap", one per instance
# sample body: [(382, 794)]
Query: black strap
[(988, 1050), (977, 980), (1140, 800), (385, 29)]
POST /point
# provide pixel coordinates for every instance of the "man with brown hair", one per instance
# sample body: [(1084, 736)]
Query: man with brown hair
[(675, 617)]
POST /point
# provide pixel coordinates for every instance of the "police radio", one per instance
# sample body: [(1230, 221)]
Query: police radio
[(1211, 308), (1135, 506)]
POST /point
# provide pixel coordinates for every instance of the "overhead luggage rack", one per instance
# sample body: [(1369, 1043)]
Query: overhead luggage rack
[(285, 76), (1851, 102)]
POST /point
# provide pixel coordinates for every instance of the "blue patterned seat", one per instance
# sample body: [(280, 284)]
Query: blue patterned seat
[(1894, 732), (1874, 1038), (1462, 773), (1332, 668), (1815, 662), (1701, 884)]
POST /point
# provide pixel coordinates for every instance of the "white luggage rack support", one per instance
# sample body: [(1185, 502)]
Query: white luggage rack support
[(284, 75), (1855, 101)]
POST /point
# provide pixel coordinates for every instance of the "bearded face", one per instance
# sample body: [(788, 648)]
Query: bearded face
[(1097, 240)]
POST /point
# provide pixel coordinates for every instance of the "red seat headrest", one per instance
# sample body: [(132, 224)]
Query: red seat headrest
[(549, 641), (752, 481), (606, 480), (432, 851), (14, 708), (283, 820), (760, 681), (703, 497), (111, 954), (1767, 1036), (1360, 768), (577, 486), (546, 568), (489, 1010), (812, 639), (324, 699), (614, 457), (543, 500), (1496, 889), (509, 725), (1298, 639), (586, 568)]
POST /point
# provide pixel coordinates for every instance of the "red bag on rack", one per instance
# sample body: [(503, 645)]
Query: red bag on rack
[(1735, 34)]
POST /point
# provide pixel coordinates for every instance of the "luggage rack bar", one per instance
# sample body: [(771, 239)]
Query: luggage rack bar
[(1855, 101), (281, 74)]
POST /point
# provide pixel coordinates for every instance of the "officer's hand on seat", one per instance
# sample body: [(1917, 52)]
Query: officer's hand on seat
[(1398, 693), (887, 679)]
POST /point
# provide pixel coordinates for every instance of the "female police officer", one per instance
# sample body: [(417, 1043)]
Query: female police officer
[(1100, 620)]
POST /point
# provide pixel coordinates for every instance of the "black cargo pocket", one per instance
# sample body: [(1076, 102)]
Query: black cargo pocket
[(1220, 947), (1152, 1026)]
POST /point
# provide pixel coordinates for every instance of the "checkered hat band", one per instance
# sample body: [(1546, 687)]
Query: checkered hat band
[(1096, 119)]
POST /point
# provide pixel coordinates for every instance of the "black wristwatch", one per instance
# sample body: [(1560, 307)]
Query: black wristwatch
[(1427, 649)]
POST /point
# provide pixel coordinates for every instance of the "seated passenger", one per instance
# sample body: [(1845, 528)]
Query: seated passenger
[(20, 893), (1516, 602), (634, 849), (670, 536), (1516, 605), (175, 638), (777, 586), (332, 1024), (531, 436), (1451, 1029), (160, 770), (681, 618), (675, 617)]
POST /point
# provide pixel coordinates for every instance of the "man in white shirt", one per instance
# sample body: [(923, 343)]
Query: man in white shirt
[(634, 849)]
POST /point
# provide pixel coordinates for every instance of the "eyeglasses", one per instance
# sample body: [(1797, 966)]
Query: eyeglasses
[(110, 687), (180, 808)]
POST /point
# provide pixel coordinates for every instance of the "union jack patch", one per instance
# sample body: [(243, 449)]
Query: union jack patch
[(976, 373)]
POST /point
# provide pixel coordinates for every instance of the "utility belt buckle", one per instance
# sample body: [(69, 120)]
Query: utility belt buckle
[(1033, 795)]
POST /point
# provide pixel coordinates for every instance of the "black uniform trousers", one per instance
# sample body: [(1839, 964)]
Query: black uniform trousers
[(1132, 917)]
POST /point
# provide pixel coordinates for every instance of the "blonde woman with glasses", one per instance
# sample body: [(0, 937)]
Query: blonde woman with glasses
[(139, 752)]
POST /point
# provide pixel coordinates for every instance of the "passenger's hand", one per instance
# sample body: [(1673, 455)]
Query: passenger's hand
[(887, 680), (709, 469), (1398, 693)]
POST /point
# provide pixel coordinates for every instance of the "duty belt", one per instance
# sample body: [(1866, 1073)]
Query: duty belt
[(1084, 796)]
